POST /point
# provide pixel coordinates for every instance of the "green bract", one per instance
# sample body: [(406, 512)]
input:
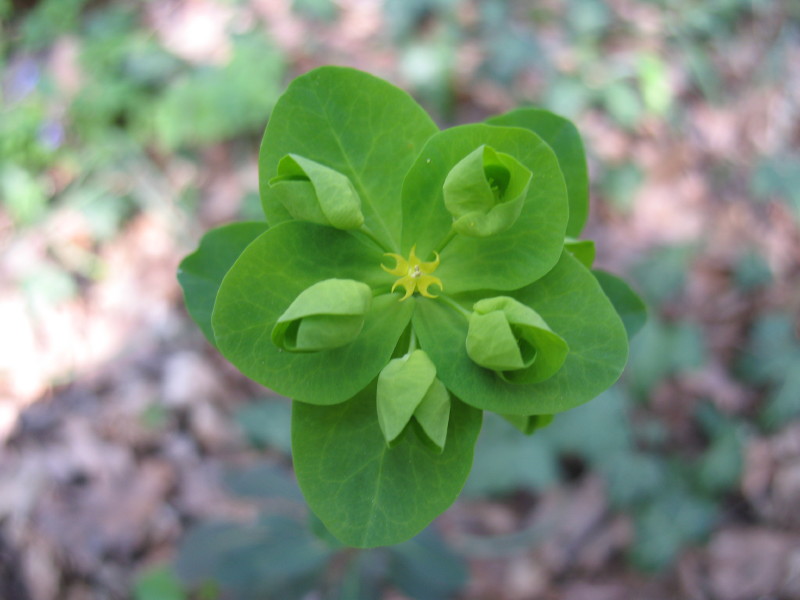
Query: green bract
[(511, 338), (485, 192), (406, 280), (407, 387), (313, 192), (326, 315)]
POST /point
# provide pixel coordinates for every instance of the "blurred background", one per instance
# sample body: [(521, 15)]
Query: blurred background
[(136, 463)]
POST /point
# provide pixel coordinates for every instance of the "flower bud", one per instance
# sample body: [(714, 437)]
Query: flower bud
[(313, 192), (324, 316), (485, 192), (408, 388), (511, 338)]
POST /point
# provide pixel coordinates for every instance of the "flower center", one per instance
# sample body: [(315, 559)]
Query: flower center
[(415, 275)]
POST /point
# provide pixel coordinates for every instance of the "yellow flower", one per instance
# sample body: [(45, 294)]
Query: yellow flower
[(415, 275)]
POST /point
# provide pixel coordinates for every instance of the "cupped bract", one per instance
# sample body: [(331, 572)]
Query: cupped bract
[(310, 191), (324, 316), (506, 336), (408, 387), (485, 192)]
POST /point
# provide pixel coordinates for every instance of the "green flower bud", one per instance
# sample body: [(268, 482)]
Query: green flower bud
[(511, 338), (408, 388), (324, 316), (485, 192), (313, 192)]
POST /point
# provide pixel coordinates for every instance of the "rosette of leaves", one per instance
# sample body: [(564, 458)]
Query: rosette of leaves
[(407, 279)]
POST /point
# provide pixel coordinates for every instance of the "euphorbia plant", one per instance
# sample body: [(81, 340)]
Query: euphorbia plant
[(406, 279)]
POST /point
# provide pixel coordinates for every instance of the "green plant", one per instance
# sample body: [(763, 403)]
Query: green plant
[(407, 280)]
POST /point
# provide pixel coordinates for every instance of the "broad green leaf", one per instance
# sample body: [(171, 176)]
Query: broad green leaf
[(629, 306), (267, 278), (402, 385), (366, 493), (506, 260), (565, 140), (200, 274), (528, 424), (572, 303), (583, 250), (357, 124)]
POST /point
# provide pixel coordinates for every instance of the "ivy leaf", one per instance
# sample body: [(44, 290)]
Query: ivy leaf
[(356, 124), (366, 493), (200, 274), (565, 140), (268, 277), (503, 261), (629, 306), (573, 305)]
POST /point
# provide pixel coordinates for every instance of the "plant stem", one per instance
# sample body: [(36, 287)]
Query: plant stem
[(412, 343), (447, 239), (372, 237), (449, 301)]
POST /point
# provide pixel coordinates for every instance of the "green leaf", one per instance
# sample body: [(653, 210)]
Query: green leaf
[(506, 461), (563, 137), (529, 424), (676, 518), (402, 385), (485, 192), (326, 315), (214, 103), (572, 303), (158, 583), (425, 568), (583, 250), (267, 278), (313, 192), (263, 481), (276, 557), (200, 274), (366, 493), (721, 466), (356, 124), (504, 261), (630, 307), (266, 423), (782, 405)]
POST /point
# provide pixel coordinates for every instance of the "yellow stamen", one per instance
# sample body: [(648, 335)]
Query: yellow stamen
[(415, 275)]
